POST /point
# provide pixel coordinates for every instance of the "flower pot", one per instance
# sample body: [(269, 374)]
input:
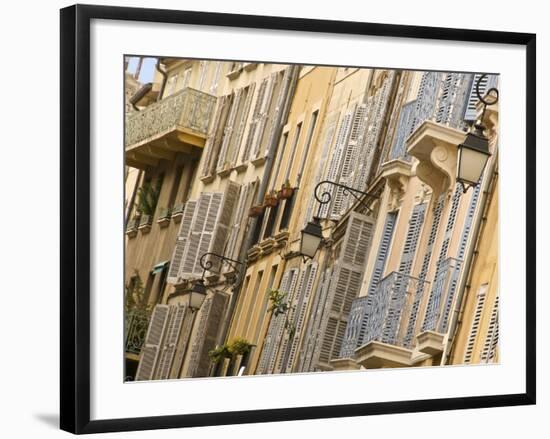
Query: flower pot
[(271, 201), (285, 193), (255, 211)]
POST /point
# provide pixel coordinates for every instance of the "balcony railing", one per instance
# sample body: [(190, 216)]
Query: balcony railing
[(135, 329), (187, 110), (442, 296), (392, 309)]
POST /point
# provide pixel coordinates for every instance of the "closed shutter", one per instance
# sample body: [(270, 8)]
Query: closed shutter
[(248, 147), (202, 74), (426, 101), (337, 157), (192, 252), (329, 135), (277, 325), (181, 241), (476, 321), (223, 161), (383, 251), (452, 100), (215, 136), (302, 302), (490, 345), (177, 313), (411, 240), (243, 120), (399, 148), (344, 288), (151, 347), (283, 88), (290, 319)]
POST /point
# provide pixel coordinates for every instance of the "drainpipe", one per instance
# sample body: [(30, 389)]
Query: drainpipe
[(164, 78), (465, 282), (272, 150)]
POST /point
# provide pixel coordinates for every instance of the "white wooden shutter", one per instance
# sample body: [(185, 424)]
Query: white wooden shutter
[(228, 131), (250, 139), (243, 120), (269, 351), (238, 228), (151, 347), (476, 321), (301, 301), (177, 314), (202, 74), (181, 241), (336, 157), (490, 345), (215, 135), (223, 220), (263, 116)]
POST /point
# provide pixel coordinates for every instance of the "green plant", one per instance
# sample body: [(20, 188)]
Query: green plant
[(239, 346), (278, 303), (148, 196), (219, 354), (290, 329)]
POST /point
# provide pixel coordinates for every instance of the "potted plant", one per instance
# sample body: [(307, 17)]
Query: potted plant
[(278, 304), (286, 191), (270, 199)]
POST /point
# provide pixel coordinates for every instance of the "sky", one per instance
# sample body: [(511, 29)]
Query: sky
[(147, 69)]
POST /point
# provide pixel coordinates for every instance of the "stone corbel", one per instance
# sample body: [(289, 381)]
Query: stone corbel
[(490, 120), (396, 174), (435, 147)]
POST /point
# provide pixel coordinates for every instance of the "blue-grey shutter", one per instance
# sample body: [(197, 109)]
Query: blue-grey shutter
[(354, 331), (406, 117), (490, 345), (445, 267), (453, 99), (397, 287), (490, 81), (426, 101), (476, 322), (383, 251), (413, 318)]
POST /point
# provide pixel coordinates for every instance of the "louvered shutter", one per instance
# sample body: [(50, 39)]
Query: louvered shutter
[(250, 139), (283, 87), (175, 323), (411, 240), (263, 117), (284, 336), (442, 271), (276, 326), (223, 159), (242, 124), (329, 134), (490, 345), (337, 156), (470, 112), (302, 301), (476, 321), (222, 223), (151, 347), (399, 148), (383, 251), (196, 243), (215, 136), (344, 288), (181, 241), (426, 101), (413, 318), (202, 74)]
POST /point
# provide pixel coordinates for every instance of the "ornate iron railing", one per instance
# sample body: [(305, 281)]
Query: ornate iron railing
[(442, 296), (135, 330), (187, 109), (391, 309)]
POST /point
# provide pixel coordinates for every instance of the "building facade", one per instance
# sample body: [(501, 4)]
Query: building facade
[(236, 158)]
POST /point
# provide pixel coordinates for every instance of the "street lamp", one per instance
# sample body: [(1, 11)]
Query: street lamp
[(474, 153), (198, 292), (312, 234)]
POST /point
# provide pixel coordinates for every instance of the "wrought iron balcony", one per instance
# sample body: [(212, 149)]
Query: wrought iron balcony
[(388, 315), (442, 296), (135, 329), (178, 123)]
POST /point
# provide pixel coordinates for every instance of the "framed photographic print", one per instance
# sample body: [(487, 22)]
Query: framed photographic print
[(273, 218)]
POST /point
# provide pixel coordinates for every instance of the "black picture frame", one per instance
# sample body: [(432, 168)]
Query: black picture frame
[(75, 217)]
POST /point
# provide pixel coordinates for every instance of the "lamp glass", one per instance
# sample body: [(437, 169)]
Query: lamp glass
[(311, 239), (197, 295), (471, 163)]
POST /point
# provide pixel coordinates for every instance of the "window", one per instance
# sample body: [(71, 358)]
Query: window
[(171, 85), (175, 186), (263, 310), (293, 151), (186, 78), (287, 212), (270, 224), (258, 229)]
